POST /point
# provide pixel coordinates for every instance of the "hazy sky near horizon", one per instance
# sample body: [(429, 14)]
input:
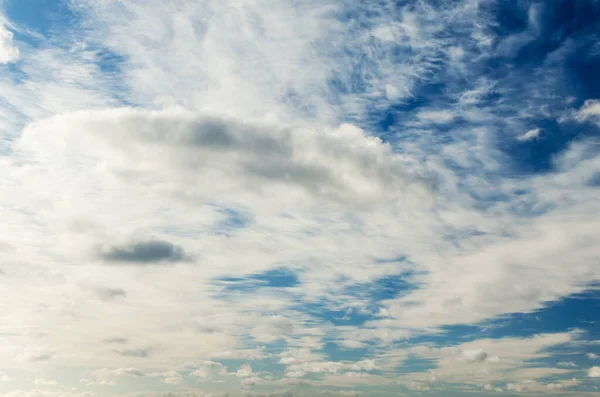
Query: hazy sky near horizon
[(277, 198)]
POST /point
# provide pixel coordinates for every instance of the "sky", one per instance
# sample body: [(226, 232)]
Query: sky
[(298, 198)]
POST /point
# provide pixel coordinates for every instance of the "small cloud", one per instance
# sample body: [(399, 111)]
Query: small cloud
[(145, 253), (209, 369), (169, 377), (140, 353), (530, 135), (9, 53), (570, 364), (590, 109), (116, 340), (244, 371), (436, 116), (593, 356), (594, 372), (474, 356), (109, 294), (251, 381)]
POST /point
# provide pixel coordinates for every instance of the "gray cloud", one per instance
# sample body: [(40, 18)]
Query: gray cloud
[(109, 294), (140, 353), (116, 340), (145, 252)]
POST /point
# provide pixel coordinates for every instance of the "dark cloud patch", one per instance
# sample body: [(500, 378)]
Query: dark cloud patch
[(140, 353), (109, 294), (145, 253), (116, 340)]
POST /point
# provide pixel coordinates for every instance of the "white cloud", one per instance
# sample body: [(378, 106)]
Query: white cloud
[(486, 361), (169, 377), (589, 110), (244, 371), (594, 372), (436, 116), (9, 52), (530, 135), (187, 149), (593, 356), (209, 370)]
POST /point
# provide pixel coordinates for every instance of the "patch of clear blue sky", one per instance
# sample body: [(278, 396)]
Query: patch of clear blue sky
[(524, 78), (45, 17)]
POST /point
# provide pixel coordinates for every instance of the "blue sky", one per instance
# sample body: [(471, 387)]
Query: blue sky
[(299, 198)]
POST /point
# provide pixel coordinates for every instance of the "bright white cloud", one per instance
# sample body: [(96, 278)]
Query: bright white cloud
[(594, 372), (530, 135), (209, 370), (9, 52)]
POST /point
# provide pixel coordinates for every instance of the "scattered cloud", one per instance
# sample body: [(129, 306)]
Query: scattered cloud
[(594, 372), (530, 135)]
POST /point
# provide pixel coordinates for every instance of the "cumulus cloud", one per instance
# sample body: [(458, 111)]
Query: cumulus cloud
[(168, 377), (594, 372), (209, 156), (244, 371), (209, 370)]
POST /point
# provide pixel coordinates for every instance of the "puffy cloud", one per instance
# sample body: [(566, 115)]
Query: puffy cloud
[(594, 372), (211, 156), (169, 377), (209, 369), (476, 355), (8, 51), (244, 371)]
